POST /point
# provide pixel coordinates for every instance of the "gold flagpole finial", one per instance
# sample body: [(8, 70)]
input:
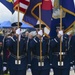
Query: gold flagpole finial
[(11, 1)]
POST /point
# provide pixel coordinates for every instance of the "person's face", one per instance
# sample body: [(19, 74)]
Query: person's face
[(37, 29), (58, 29), (14, 29), (26, 34), (30, 36)]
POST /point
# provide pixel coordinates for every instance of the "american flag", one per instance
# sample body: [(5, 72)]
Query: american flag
[(22, 4)]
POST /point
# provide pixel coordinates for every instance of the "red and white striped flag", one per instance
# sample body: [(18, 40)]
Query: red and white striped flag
[(22, 4)]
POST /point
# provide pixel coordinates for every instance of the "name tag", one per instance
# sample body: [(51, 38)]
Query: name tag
[(61, 63), (17, 62), (40, 63)]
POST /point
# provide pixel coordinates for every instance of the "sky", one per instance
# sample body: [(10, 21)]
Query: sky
[(6, 15)]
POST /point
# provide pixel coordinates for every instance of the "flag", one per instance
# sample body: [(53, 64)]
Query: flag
[(54, 22), (56, 10), (68, 6), (32, 14), (68, 21), (46, 12), (68, 16), (8, 4), (28, 17), (22, 4)]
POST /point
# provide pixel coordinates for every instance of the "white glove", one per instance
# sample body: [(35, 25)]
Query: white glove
[(50, 64), (71, 68), (29, 70), (61, 32), (4, 68), (18, 31), (72, 62), (51, 70), (40, 32)]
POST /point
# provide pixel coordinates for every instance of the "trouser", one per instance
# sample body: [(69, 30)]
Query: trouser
[(17, 72), (40, 72), (6, 71), (61, 71), (1, 72)]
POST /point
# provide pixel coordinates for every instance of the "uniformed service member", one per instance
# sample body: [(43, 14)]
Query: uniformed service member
[(60, 67), (17, 64), (39, 67), (1, 48), (72, 46)]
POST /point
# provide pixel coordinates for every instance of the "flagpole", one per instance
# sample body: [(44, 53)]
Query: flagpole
[(18, 40), (61, 37), (41, 37)]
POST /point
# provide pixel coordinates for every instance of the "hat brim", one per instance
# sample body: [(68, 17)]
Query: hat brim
[(58, 26), (38, 26), (16, 24)]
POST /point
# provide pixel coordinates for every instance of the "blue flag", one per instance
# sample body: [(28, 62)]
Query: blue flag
[(54, 22), (32, 14), (28, 17), (8, 4), (68, 21), (68, 6), (46, 14)]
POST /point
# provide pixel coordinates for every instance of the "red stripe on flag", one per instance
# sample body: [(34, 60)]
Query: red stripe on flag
[(21, 9), (21, 1), (46, 5), (24, 3)]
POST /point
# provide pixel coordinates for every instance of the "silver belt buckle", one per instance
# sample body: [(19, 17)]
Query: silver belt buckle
[(40, 63), (17, 62), (62, 53), (60, 63)]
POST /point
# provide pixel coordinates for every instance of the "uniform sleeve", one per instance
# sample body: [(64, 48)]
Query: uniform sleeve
[(50, 52), (72, 49), (8, 43), (1, 43), (7, 46)]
